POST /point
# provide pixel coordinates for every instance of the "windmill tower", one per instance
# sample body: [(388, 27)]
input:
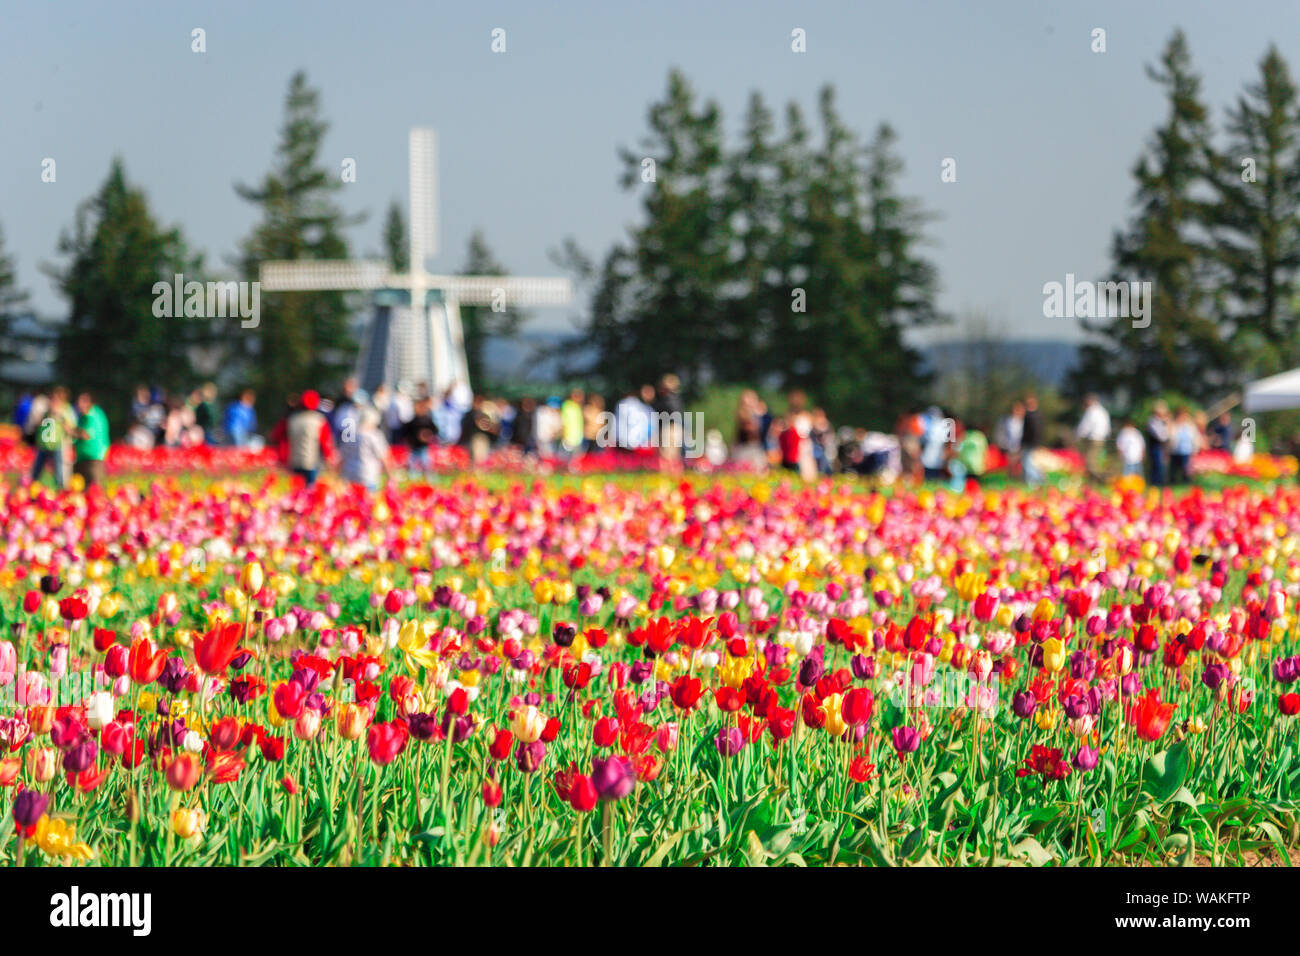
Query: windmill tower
[(415, 333)]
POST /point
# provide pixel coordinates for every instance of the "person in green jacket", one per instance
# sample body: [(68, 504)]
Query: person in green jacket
[(572, 425), (91, 445), (969, 460)]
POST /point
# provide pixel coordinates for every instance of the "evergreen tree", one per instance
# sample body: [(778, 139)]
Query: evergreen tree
[(480, 322), (751, 297), (659, 299), (855, 268), (775, 262), (1180, 350), (113, 339), (1256, 222), (303, 339), (11, 299), (396, 242)]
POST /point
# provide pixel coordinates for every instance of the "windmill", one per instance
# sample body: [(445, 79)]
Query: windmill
[(415, 334)]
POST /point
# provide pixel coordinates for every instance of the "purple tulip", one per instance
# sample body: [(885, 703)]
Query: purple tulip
[(864, 667), (29, 807), (422, 726), (1086, 759), (730, 741), (812, 669), (613, 777), (81, 757), (640, 672), (1023, 704), (174, 675), (906, 740), (528, 757), (1215, 674)]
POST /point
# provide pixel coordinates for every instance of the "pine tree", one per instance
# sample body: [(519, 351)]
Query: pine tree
[(1180, 348), (396, 242), (11, 299), (113, 338), (303, 339), (1256, 222), (774, 262), (745, 329), (479, 323), (659, 300)]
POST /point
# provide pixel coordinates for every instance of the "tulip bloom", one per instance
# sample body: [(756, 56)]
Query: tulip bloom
[(583, 795), (145, 663), (1149, 716), (906, 740), (184, 771), (214, 651), (386, 741), (686, 691), (613, 777)]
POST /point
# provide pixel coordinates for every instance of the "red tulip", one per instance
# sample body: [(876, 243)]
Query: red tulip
[(582, 794), (856, 706), (214, 651), (1151, 717), (686, 691), (605, 732), (386, 741), (224, 734), (104, 638), (501, 744), (145, 663), (184, 771), (289, 699)]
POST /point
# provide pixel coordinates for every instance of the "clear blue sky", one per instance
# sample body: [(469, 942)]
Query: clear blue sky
[(1044, 131)]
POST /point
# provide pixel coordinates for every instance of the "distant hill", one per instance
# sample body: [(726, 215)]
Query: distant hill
[(515, 360), (1047, 360)]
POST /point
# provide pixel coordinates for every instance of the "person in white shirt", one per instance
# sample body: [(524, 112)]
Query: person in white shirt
[(1093, 430), (1132, 448)]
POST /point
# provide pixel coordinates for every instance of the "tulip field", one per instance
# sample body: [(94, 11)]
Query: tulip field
[(643, 670)]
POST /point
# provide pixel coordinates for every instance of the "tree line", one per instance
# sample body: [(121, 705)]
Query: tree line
[(785, 256)]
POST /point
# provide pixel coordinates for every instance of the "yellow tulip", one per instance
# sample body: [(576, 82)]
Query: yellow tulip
[(251, 578), (59, 838), (1053, 654), (835, 723), (187, 821)]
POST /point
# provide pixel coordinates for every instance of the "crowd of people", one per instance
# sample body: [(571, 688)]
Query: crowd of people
[(65, 433), (354, 432), (1160, 448)]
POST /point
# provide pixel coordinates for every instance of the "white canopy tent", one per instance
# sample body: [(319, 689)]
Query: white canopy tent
[(1273, 393)]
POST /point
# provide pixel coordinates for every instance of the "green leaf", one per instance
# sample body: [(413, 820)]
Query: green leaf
[(1033, 851), (1165, 772)]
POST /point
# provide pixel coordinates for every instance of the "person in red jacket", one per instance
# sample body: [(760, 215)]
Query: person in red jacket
[(309, 438)]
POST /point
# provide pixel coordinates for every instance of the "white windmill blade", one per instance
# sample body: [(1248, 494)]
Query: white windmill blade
[(303, 275), (424, 197), (511, 290)]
